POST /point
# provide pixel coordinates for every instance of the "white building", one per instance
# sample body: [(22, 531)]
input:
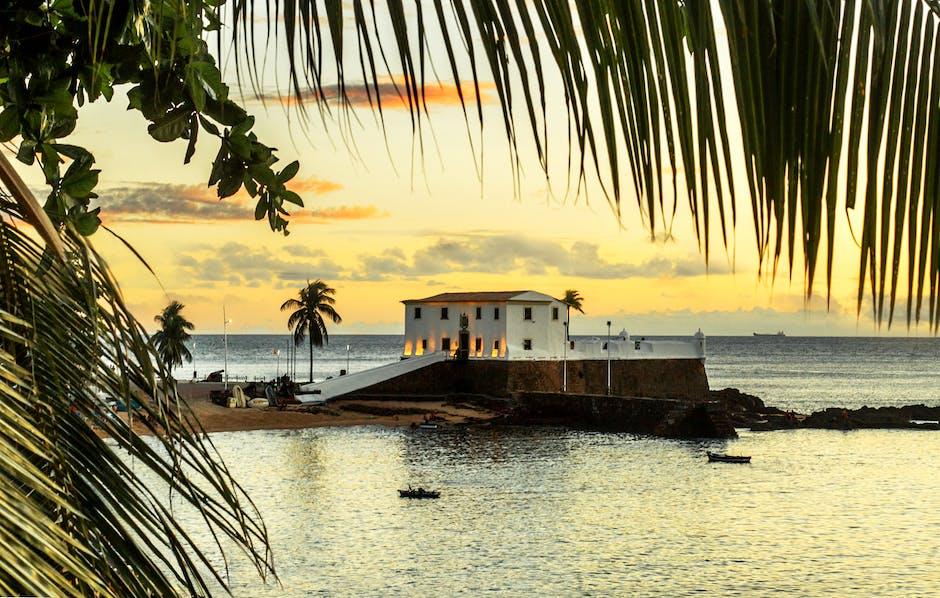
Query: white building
[(520, 325)]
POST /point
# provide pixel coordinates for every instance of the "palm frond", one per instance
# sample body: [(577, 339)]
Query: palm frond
[(76, 517), (643, 86)]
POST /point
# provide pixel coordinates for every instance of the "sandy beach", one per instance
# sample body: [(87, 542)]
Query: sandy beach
[(342, 412)]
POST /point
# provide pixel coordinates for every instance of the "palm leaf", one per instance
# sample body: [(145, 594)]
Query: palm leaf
[(643, 80), (76, 517)]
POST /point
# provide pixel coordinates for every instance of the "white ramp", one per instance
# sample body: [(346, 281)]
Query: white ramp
[(335, 387)]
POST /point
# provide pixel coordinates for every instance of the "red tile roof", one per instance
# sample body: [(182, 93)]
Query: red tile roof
[(471, 297)]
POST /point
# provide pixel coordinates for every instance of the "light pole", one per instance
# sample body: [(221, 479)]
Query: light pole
[(347, 359), (195, 376), (225, 323), (564, 379), (277, 370), (608, 357)]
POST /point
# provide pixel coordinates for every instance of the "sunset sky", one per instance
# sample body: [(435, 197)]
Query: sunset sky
[(383, 223)]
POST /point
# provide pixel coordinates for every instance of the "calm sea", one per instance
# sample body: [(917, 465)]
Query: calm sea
[(549, 511)]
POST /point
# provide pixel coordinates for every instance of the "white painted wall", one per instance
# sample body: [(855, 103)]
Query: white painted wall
[(511, 330), (319, 392), (432, 328)]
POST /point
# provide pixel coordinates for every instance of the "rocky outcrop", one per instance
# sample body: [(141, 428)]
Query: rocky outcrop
[(749, 411), (668, 418)]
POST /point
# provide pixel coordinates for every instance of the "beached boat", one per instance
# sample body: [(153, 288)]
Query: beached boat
[(722, 458), (427, 426), (418, 493)]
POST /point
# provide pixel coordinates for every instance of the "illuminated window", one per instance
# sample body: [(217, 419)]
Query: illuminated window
[(424, 344), (479, 313), (444, 313), (496, 314), (445, 344), (478, 344), (526, 313), (496, 345), (554, 313), (527, 344), (417, 313)]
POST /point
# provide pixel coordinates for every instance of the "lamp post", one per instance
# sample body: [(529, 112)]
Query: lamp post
[(608, 357), (347, 359), (277, 370), (225, 323), (564, 379), (195, 376)]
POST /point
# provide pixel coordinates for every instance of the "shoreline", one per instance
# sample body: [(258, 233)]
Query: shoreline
[(744, 411), (339, 413)]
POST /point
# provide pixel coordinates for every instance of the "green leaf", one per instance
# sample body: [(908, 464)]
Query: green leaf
[(172, 125), (193, 135), (9, 123), (291, 197), (80, 186), (87, 223), (289, 172)]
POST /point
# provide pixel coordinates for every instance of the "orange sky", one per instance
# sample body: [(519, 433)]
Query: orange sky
[(388, 217)]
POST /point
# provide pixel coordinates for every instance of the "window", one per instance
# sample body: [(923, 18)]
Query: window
[(554, 313), (479, 313), (496, 345), (496, 313), (478, 344), (424, 343), (445, 344), (527, 344), (444, 313), (417, 313), (526, 313)]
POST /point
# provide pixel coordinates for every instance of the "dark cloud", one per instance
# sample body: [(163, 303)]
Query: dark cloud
[(237, 264), (503, 254), (159, 203), (393, 93)]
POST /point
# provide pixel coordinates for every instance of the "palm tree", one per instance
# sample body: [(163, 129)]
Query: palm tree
[(809, 105), (573, 299), (170, 340), (315, 301)]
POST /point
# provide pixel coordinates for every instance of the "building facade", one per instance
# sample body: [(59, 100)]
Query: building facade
[(522, 325), (501, 325)]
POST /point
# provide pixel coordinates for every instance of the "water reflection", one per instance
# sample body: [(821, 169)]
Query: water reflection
[(552, 511)]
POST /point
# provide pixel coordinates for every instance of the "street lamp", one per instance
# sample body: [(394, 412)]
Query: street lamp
[(225, 323), (195, 376), (564, 379), (347, 359), (277, 371), (608, 357)]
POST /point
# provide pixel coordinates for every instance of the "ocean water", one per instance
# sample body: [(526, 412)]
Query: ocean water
[(800, 373), (557, 512)]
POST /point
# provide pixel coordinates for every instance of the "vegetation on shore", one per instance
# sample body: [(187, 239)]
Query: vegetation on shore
[(314, 302), (170, 340)]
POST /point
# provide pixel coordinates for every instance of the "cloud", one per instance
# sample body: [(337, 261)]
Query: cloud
[(505, 253), (238, 264), (393, 94), (159, 203)]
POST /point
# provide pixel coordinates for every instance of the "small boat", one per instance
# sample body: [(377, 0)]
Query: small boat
[(427, 426), (418, 493), (779, 333), (722, 458)]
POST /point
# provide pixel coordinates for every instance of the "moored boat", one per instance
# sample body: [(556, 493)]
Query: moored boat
[(723, 458), (418, 493)]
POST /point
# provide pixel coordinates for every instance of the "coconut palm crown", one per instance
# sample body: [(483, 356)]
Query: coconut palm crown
[(170, 340), (314, 303), (572, 299)]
